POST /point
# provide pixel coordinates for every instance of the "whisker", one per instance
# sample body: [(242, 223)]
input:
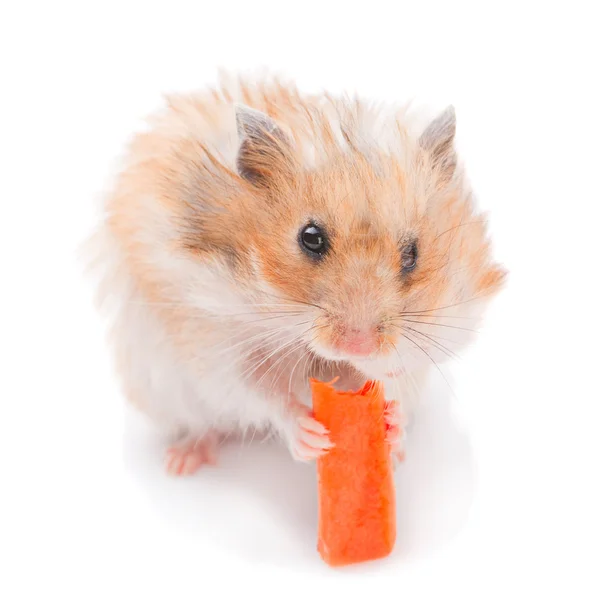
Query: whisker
[(305, 355), (253, 436), (246, 375), (281, 358), (472, 299), (428, 316), (246, 329), (187, 304), (433, 335), (431, 359), (262, 316), (296, 301), (438, 325), (285, 363), (280, 370), (254, 367), (408, 377), (262, 336), (308, 366), (439, 346)]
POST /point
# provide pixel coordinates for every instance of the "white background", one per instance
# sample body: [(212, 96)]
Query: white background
[(499, 493)]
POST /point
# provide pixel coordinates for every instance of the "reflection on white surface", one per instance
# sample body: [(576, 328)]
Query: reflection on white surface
[(260, 503)]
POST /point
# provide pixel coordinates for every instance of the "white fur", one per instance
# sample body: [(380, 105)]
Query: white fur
[(203, 382), (210, 392)]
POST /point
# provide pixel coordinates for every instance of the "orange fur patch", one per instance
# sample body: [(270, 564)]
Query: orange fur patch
[(180, 192)]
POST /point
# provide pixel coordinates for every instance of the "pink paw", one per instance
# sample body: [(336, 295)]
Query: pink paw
[(307, 438), (395, 421), (187, 456)]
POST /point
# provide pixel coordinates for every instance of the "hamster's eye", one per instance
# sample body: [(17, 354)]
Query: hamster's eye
[(313, 240), (409, 257)]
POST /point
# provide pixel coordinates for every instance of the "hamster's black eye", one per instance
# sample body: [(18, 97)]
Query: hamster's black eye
[(409, 257), (313, 240)]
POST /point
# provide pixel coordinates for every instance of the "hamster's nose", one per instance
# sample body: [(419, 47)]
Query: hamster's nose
[(357, 342)]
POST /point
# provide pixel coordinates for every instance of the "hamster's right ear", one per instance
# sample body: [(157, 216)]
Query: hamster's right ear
[(438, 141), (264, 149)]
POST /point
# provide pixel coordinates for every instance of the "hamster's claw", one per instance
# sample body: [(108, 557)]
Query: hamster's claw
[(188, 455), (395, 422), (307, 438), (311, 441)]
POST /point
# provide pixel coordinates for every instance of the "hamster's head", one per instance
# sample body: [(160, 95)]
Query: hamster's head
[(379, 251)]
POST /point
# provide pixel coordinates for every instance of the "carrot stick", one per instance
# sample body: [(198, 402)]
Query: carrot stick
[(357, 518)]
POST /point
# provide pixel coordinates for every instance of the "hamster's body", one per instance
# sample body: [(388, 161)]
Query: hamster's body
[(257, 237)]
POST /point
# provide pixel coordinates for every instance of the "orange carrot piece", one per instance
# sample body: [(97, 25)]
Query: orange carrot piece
[(357, 510)]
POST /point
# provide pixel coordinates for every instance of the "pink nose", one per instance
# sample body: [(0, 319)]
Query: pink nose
[(357, 342)]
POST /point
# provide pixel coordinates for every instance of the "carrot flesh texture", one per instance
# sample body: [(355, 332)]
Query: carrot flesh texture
[(357, 509)]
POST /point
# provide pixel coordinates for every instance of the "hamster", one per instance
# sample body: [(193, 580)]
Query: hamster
[(257, 237)]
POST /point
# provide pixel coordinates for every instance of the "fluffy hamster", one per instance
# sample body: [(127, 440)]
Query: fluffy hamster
[(256, 237)]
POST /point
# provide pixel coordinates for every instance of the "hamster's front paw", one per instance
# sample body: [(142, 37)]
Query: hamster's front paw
[(395, 423), (189, 454), (306, 437)]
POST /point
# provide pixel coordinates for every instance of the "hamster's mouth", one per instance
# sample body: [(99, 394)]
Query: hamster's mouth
[(335, 354)]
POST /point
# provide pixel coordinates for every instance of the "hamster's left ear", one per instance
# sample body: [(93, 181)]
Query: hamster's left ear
[(264, 150), (438, 141)]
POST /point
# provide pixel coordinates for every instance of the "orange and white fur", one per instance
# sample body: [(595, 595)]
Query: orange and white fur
[(257, 237)]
